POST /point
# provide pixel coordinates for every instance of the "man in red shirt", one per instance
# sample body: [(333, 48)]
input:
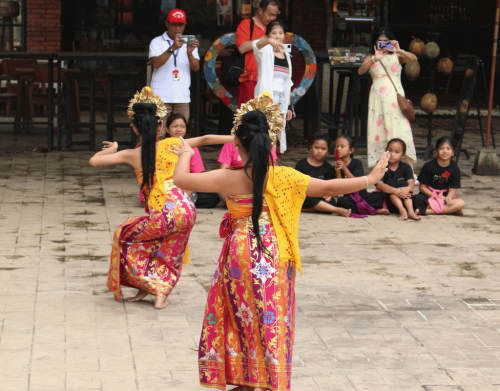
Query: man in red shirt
[(268, 11)]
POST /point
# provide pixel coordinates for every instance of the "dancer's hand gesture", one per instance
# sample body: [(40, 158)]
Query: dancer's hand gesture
[(379, 170), (109, 146), (183, 147)]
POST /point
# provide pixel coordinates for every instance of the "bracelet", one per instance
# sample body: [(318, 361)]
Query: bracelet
[(373, 60), (192, 154), (367, 183)]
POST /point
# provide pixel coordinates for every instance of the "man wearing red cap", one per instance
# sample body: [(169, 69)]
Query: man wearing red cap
[(172, 61), (268, 11)]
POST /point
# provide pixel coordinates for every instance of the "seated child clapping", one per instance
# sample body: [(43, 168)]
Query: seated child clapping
[(439, 181), (316, 167), (398, 182), (348, 167)]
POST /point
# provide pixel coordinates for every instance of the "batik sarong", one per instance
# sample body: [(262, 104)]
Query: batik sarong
[(148, 251), (248, 326)]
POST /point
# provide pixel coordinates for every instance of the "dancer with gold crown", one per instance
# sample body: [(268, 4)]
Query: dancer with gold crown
[(148, 251), (248, 326)]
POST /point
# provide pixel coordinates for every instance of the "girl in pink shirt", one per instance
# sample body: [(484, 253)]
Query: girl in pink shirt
[(176, 127), (229, 156)]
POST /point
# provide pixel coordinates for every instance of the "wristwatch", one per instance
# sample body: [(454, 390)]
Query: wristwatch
[(170, 50)]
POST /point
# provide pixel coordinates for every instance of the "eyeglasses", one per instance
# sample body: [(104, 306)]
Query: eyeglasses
[(273, 15)]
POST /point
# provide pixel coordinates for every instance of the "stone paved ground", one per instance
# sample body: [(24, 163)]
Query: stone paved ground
[(382, 305)]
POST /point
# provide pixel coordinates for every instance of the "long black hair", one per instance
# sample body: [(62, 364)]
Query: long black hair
[(146, 122), (254, 137), (384, 30)]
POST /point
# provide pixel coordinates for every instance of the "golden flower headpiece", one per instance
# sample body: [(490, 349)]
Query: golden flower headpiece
[(147, 96), (264, 103)]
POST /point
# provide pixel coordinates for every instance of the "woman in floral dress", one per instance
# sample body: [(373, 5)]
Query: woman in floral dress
[(385, 119), (148, 251), (249, 321)]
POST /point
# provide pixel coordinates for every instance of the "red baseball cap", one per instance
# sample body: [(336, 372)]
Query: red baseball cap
[(176, 16)]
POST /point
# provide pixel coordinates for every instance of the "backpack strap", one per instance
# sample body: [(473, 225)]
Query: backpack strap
[(252, 25)]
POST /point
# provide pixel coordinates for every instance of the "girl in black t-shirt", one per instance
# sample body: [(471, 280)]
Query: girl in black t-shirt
[(316, 167), (398, 182), (348, 167), (439, 181)]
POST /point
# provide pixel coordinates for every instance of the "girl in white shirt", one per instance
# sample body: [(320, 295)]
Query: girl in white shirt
[(275, 72)]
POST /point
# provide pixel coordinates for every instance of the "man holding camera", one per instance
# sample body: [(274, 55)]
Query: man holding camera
[(172, 56), (268, 11)]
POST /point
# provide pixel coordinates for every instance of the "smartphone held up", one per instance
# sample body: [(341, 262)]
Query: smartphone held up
[(385, 45)]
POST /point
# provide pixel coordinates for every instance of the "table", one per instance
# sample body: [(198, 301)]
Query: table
[(49, 57)]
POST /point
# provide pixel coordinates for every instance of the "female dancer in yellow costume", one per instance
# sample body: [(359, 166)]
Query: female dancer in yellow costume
[(248, 326), (148, 251)]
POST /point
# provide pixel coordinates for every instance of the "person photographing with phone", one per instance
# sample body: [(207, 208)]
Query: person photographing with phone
[(275, 72), (385, 118), (173, 56)]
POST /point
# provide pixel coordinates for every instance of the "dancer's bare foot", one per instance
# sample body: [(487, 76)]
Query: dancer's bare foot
[(414, 215), (459, 213), (404, 216), (417, 212), (141, 294), (383, 211), (344, 212), (161, 302)]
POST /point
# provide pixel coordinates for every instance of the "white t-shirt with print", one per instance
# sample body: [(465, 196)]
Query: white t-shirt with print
[(162, 81)]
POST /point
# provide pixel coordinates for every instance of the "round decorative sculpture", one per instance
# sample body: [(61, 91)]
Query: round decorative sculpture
[(429, 102), (412, 70), (417, 47), (445, 66), (432, 50), (229, 39)]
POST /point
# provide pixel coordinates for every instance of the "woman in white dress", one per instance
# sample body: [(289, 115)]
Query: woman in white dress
[(385, 118), (275, 72)]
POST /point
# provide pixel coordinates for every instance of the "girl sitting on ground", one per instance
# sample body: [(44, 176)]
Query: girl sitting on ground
[(346, 166), (398, 182), (317, 167), (439, 181)]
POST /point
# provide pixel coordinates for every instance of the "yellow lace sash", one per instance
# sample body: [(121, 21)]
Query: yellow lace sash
[(285, 194)]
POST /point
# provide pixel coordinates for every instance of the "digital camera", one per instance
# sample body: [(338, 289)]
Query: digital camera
[(188, 39)]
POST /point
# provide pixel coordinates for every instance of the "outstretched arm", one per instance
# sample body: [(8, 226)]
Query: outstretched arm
[(321, 188), (109, 156), (206, 182), (209, 139)]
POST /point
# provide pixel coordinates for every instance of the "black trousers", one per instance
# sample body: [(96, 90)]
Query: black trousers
[(375, 200), (311, 202), (207, 200)]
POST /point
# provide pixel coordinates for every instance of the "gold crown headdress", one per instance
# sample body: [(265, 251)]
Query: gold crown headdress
[(265, 104), (147, 96)]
